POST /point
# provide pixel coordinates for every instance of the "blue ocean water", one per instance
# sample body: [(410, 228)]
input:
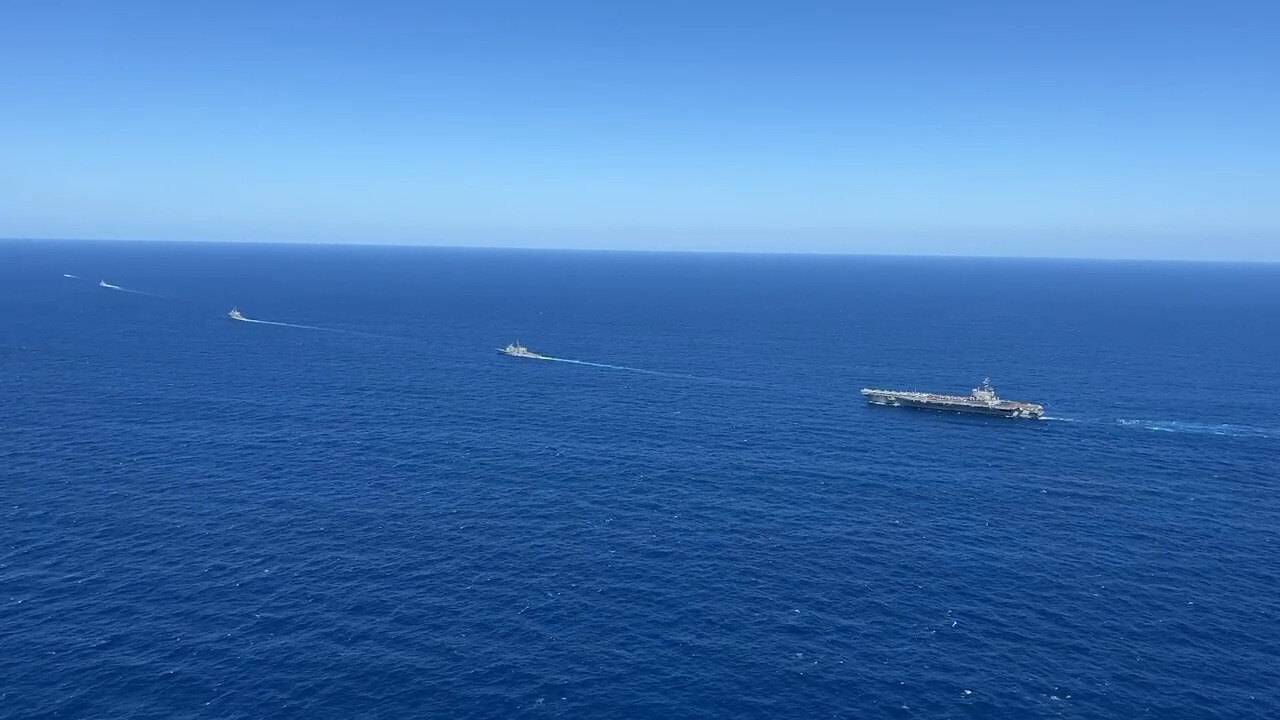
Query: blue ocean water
[(371, 513)]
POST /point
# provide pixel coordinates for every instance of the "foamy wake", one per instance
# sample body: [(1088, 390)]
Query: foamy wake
[(109, 286), (291, 325), (1182, 426), (602, 365), (643, 371)]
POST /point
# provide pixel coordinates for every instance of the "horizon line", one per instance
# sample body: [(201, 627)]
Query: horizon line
[(654, 251)]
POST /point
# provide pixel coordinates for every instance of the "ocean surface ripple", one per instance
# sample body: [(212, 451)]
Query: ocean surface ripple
[(698, 518)]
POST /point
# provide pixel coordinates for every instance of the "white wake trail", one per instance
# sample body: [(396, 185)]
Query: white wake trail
[(109, 286), (236, 315), (1202, 428), (292, 325), (608, 366), (644, 371), (1181, 426)]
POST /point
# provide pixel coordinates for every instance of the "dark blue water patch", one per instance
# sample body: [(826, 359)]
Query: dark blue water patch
[(375, 514)]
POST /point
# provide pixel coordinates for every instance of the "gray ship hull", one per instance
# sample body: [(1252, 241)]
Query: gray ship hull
[(954, 403)]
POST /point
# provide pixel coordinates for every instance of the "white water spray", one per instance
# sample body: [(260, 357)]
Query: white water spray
[(238, 316), (109, 286), (642, 371), (1200, 428), (292, 325)]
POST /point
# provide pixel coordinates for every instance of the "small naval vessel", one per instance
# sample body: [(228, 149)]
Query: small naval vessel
[(515, 349), (105, 284), (982, 400), (235, 314)]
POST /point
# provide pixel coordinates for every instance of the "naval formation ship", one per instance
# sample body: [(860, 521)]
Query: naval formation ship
[(982, 400), (515, 349)]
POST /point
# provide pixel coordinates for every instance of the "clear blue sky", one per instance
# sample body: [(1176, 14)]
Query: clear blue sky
[(1103, 129)]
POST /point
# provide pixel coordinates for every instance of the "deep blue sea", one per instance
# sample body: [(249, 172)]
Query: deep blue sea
[(367, 512)]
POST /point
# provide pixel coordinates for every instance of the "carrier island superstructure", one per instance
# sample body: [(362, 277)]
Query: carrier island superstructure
[(982, 400)]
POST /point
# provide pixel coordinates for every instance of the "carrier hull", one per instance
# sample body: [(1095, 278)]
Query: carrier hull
[(979, 405)]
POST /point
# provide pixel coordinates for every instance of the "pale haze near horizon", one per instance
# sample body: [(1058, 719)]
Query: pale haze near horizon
[(1118, 130)]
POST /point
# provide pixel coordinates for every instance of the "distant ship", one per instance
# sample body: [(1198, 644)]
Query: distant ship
[(103, 283), (982, 400), (235, 315), (515, 349)]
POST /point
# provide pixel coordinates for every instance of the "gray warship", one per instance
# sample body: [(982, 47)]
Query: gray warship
[(982, 400), (515, 349)]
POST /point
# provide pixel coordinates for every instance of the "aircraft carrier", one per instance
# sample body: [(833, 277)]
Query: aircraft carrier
[(982, 400)]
